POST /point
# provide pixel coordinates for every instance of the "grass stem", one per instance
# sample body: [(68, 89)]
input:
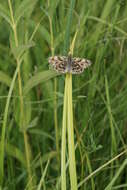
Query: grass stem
[(22, 116), (55, 98), (63, 144), (70, 130)]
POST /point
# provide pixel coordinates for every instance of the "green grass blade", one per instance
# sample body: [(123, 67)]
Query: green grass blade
[(122, 167), (38, 78), (63, 144), (25, 7), (2, 143), (114, 148), (101, 167), (43, 176), (40, 133), (4, 78), (15, 152), (70, 129), (68, 27), (106, 11), (5, 14), (21, 49), (42, 31)]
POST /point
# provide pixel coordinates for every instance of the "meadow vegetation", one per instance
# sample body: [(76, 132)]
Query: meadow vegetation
[(37, 106)]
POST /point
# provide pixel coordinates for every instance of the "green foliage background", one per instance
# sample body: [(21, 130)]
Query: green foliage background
[(99, 94)]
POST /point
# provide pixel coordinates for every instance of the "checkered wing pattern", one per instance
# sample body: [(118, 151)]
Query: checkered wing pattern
[(79, 64), (58, 63), (62, 64)]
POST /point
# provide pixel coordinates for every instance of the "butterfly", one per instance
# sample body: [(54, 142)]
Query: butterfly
[(63, 64)]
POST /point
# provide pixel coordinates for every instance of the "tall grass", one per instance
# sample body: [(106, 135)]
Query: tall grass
[(68, 116), (68, 126), (32, 97)]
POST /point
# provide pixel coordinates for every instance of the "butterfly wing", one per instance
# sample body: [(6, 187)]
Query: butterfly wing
[(58, 63), (79, 64)]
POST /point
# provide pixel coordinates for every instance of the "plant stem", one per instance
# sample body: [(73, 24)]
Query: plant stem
[(70, 129), (113, 139), (56, 121), (2, 143), (55, 98), (63, 144), (22, 116)]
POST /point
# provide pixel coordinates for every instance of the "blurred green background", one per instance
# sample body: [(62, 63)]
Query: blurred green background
[(31, 97)]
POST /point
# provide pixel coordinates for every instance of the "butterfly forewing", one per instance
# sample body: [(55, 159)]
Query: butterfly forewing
[(58, 63)]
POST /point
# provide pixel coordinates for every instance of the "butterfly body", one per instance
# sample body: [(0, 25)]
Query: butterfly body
[(63, 64)]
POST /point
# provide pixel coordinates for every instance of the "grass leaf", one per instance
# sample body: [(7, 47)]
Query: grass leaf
[(43, 176), (13, 151), (118, 172), (5, 14), (21, 49), (39, 78), (4, 78), (24, 7), (41, 132), (68, 27), (2, 142)]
